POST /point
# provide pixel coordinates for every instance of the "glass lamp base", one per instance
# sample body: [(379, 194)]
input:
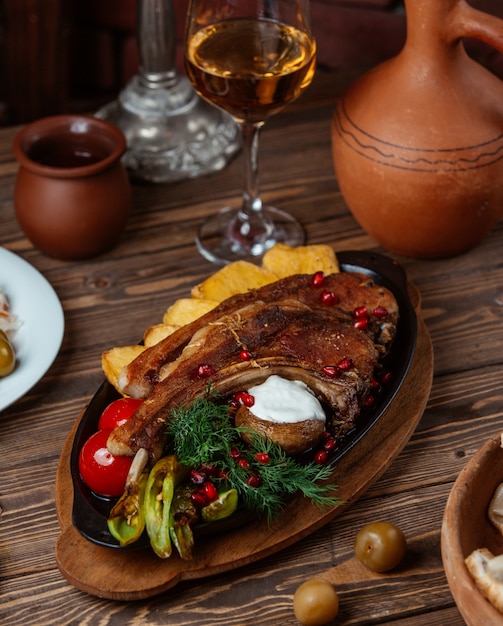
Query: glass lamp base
[(221, 240), (171, 133)]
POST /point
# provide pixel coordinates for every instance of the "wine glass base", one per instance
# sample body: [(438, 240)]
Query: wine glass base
[(217, 243)]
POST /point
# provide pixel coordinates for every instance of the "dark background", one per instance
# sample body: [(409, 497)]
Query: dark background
[(75, 55)]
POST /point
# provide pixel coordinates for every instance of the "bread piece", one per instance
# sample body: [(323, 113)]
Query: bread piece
[(487, 571), (495, 509)]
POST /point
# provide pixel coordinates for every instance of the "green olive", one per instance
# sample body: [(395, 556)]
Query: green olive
[(315, 602), (7, 357), (380, 546)]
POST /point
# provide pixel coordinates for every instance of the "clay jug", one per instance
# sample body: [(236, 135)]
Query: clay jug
[(418, 141), (72, 195)]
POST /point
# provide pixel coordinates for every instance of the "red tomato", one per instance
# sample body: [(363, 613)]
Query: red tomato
[(118, 412), (102, 472)]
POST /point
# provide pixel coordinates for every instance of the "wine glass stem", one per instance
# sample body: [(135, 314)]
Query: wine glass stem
[(251, 224)]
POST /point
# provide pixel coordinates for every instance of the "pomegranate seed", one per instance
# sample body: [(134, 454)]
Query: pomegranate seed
[(197, 478), (235, 453), (205, 370), (326, 435), (380, 312), (254, 480), (243, 397), (317, 279), (198, 499), (233, 404), (360, 311), (330, 444), (332, 370), (321, 457), (245, 355), (346, 364), (328, 298), (243, 463), (210, 491), (376, 385), (369, 401), (386, 378), (210, 470), (362, 324), (262, 457)]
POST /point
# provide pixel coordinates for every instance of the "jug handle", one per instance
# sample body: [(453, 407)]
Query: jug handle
[(468, 22)]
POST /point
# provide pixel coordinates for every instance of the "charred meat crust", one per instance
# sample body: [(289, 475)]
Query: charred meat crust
[(287, 330), (351, 291)]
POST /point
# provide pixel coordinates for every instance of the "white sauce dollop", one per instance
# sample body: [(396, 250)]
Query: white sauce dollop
[(285, 401)]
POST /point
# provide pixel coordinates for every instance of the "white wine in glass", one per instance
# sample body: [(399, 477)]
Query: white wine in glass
[(250, 58)]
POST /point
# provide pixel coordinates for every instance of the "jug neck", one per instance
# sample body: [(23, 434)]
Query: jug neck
[(438, 26)]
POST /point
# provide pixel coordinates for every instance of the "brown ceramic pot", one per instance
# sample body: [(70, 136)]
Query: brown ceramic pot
[(418, 141), (72, 195)]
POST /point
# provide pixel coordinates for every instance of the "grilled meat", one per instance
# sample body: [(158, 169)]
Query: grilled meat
[(291, 328), (350, 291)]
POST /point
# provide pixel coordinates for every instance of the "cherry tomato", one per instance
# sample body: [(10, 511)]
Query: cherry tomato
[(380, 546), (118, 412), (102, 472), (315, 602)]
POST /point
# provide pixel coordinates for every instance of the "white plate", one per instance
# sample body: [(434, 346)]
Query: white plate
[(37, 341)]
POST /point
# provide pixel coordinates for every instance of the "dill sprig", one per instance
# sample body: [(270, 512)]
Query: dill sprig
[(204, 434)]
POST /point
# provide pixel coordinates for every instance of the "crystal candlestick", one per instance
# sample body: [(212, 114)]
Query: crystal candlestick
[(171, 133)]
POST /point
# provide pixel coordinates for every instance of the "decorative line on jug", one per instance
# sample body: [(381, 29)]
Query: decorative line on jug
[(423, 162)]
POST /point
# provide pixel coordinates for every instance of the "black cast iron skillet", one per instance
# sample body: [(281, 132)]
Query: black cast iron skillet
[(90, 512)]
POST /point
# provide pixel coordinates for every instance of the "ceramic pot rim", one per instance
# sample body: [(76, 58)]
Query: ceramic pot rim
[(110, 137)]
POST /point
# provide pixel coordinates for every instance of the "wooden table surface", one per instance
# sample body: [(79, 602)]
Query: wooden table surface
[(111, 299)]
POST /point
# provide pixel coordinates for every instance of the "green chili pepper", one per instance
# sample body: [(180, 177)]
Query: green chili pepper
[(126, 520), (166, 474), (223, 507), (182, 515)]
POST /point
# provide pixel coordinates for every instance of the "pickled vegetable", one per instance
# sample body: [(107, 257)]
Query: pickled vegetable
[(160, 489), (7, 356), (182, 516), (380, 546), (224, 506), (126, 521), (315, 602)]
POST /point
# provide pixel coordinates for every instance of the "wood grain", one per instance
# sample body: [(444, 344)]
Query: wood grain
[(110, 299)]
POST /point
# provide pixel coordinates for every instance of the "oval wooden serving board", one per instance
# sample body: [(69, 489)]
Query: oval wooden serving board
[(133, 575)]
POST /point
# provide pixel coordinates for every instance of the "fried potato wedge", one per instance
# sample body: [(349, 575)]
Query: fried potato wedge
[(156, 333), (186, 310), (113, 360), (284, 260), (237, 277)]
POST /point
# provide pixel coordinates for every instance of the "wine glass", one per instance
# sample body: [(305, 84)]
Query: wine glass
[(249, 58)]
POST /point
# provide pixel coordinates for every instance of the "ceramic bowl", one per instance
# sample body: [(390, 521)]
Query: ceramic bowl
[(466, 527)]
